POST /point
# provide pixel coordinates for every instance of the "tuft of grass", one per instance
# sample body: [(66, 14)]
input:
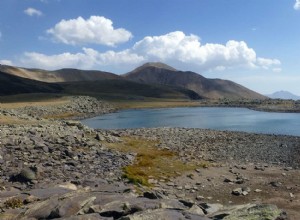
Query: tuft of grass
[(13, 203), (150, 162)]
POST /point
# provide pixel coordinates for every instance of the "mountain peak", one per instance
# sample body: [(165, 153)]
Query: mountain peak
[(284, 95), (156, 65)]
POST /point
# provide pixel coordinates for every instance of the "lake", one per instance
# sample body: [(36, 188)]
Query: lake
[(232, 119)]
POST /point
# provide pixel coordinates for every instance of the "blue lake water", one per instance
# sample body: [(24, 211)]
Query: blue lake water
[(233, 119)]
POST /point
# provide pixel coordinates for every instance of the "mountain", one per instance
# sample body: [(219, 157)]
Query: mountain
[(156, 80), (161, 74), (284, 95), (11, 85), (17, 80), (124, 89), (62, 75)]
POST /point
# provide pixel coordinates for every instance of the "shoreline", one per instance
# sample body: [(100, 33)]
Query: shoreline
[(281, 106)]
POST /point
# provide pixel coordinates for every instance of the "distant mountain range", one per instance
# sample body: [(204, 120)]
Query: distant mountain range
[(284, 95), (155, 80)]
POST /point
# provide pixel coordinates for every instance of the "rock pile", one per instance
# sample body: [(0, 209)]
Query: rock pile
[(117, 201), (224, 146)]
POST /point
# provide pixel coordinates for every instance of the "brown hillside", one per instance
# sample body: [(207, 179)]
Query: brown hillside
[(209, 88), (62, 75)]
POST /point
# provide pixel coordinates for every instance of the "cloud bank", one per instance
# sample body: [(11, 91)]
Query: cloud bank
[(175, 48), (33, 12), (297, 5), (95, 30), (87, 59), (6, 62)]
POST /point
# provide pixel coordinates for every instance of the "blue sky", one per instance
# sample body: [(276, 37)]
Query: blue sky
[(255, 43)]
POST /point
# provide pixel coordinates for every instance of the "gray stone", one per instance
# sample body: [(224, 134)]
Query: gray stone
[(250, 212), (237, 191), (26, 175), (209, 208)]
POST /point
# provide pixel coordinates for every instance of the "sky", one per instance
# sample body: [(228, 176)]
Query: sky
[(252, 42)]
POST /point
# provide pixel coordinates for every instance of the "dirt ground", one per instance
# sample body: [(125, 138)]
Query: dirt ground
[(272, 185)]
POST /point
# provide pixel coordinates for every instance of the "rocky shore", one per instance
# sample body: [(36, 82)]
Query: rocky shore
[(61, 169)]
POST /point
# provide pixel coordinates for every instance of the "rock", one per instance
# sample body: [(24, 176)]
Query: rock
[(241, 191), (30, 199), (187, 187), (209, 208), (99, 137), (237, 191), (199, 198), (11, 214), (275, 183), (165, 214), (188, 203), (71, 206), (228, 180), (195, 209), (152, 195), (42, 210), (172, 204), (250, 212), (26, 175), (94, 216)]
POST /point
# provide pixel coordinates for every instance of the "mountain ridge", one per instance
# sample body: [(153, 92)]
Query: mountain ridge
[(60, 75), (189, 83), (208, 88), (284, 95)]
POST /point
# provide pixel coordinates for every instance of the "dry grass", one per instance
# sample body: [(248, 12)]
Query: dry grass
[(13, 203), (150, 162), (64, 115), (49, 102), (154, 103), (6, 120)]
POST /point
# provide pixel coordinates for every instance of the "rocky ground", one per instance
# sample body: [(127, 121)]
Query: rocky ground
[(60, 169)]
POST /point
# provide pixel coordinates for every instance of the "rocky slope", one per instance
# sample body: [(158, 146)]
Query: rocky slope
[(60, 169), (161, 74)]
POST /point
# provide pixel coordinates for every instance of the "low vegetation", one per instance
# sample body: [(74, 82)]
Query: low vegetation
[(154, 103), (33, 100), (13, 203), (151, 162)]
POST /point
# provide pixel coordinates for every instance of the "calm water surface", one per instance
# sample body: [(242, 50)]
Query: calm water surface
[(233, 119)]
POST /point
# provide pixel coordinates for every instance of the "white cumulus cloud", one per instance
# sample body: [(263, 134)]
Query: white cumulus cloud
[(177, 47), (95, 30), (33, 12), (6, 62), (87, 59), (297, 5)]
